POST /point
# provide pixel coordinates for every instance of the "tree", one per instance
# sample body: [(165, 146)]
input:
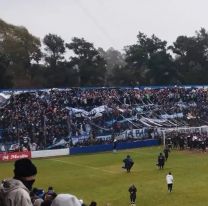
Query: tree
[(121, 76), (21, 48), (162, 69), (149, 62), (114, 60), (87, 62), (55, 48), (192, 57), (5, 78)]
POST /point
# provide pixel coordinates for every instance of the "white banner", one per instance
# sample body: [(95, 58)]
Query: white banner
[(172, 116), (49, 153)]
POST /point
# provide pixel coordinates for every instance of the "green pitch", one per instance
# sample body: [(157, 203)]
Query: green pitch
[(100, 177)]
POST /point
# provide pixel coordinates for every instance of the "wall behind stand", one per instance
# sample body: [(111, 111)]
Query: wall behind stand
[(11, 156), (109, 147)]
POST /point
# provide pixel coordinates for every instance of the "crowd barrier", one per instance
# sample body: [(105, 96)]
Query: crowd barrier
[(9, 156), (109, 147), (125, 87), (50, 153)]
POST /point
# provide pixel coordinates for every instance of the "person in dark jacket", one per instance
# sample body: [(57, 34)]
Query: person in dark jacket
[(128, 163), (93, 203), (16, 191), (161, 161), (166, 152), (132, 191)]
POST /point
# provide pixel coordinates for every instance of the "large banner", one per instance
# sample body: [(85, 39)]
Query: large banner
[(134, 133), (3, 99), (9, 156)]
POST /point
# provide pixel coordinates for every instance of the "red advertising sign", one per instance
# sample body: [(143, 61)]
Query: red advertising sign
[(9, 156)]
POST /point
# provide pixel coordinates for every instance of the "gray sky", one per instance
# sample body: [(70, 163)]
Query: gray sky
[(107, 23)]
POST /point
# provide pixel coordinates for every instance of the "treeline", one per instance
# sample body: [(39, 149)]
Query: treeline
[(26, 62)]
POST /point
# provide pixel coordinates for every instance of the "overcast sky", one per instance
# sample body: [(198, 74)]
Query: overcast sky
[(107, 23)]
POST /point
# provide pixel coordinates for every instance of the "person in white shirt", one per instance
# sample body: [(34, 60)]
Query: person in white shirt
[(169, 180)]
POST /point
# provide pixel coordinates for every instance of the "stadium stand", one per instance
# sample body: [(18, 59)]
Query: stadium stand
[(56, 118)]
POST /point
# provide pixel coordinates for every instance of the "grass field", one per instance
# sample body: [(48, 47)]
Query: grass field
[(99, 177)]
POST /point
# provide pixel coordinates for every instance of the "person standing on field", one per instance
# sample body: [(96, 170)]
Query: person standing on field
[(115, 145), (128, 163), (169, 180), (161, 161), (132, 191), (166, 152)]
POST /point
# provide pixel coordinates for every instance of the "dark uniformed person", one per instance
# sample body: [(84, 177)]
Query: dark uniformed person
[(166, 152), (132, 191), (203, 145), (128, 163), (161, 161)]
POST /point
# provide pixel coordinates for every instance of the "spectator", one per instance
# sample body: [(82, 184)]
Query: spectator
[(40, 117), (49, 196), (15, 192), (93, 203), (38, 202), (66, 200)]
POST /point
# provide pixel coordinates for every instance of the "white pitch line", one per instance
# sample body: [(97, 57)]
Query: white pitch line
[(90, 167)]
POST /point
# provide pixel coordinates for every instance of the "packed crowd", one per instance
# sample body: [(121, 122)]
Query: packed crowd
[(19, 191), (50, 198), (193, 140), (46, 116)]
